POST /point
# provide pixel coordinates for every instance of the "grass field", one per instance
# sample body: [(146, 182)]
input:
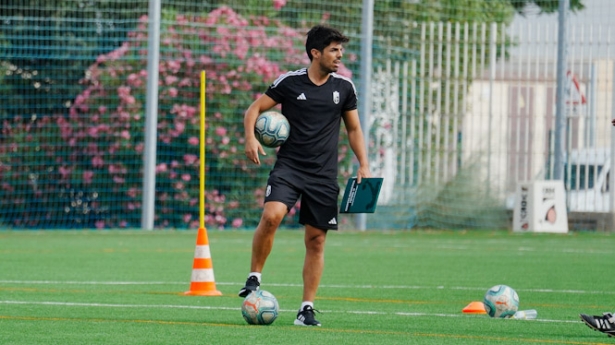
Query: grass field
[(126, 287)]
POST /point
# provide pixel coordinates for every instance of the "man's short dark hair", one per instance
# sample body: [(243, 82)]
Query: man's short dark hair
[(320, 36)]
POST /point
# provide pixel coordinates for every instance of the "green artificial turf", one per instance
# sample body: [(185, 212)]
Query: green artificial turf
[(379, 287)]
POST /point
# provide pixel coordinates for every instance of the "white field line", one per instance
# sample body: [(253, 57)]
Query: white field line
[(325, 286), (172, 306)]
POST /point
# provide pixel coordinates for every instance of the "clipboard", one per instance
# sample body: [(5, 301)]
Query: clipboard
[(361, 198)]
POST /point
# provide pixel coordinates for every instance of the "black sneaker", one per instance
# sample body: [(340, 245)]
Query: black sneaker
[(252, 284), (305, 317), (604, 323)]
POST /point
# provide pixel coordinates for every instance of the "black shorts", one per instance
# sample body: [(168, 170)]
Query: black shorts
[(318, 196)]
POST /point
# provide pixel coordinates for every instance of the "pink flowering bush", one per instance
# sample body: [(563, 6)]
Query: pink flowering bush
[(95, 152), (240, 56)]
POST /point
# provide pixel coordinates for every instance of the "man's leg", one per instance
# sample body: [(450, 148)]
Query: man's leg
[(262, 242), (314, 263), (313, 267)]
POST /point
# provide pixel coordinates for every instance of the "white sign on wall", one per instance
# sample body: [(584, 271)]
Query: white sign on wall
[(540, 206)]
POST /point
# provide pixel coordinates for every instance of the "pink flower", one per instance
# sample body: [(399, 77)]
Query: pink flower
[(175, 66), (134, 80), (221, 131), (278, 4), (190, 159), (187, 218), (219, 219), (186, 177), (161, 168), (97, 162), (237, 222), (132, 192), (180, 126), (193, 141), (170, 79), (206, 60), (64, 172), (100, 224), (93, 132), (130, 100), (115, 169), (123, 91), (87, 176)]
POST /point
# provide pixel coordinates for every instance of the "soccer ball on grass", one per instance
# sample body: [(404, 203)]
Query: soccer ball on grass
[(260, 308), (271, 128), (501, 301)]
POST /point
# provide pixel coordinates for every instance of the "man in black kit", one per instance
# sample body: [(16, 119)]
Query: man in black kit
[(315, 100)]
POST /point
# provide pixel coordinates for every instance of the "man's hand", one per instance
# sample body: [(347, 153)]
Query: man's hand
[(363, 172), (252, 149)]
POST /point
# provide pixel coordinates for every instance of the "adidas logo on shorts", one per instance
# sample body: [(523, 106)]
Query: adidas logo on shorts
[(333, 221)]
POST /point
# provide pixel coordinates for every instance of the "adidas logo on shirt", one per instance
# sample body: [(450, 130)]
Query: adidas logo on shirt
[(301, 97), (333, 221)]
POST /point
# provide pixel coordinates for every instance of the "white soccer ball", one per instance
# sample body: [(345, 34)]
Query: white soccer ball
[(501, 301), (271, 128), (260, 308)]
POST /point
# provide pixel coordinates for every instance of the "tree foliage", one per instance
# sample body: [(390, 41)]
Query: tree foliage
[(86, 29), (85, 166), (76, 90)]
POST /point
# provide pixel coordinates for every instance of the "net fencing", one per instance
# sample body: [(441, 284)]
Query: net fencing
[(462, 107)]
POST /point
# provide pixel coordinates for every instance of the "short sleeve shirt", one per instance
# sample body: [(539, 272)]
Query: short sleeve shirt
[(314, 113)]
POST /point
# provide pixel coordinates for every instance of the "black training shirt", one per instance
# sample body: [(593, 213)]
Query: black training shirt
[(314, 113)]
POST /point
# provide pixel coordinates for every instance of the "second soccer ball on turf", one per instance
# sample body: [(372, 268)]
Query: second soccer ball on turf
[(260, 308), (501, 301), (271, 128)]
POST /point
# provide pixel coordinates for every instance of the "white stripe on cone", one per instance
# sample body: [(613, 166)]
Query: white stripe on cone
[(202, 275), (202, 252)]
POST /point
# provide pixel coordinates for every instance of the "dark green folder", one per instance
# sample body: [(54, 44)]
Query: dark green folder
[(363, 197)]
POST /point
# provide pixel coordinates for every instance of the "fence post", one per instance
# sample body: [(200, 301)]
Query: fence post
[(560, 108), (611, 182), (365, 102), (151, 117)]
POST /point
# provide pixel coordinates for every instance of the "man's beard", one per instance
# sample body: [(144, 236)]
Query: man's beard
[(327, 69)]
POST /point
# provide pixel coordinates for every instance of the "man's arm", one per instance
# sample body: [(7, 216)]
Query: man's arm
[(252, 146), (357, 142)]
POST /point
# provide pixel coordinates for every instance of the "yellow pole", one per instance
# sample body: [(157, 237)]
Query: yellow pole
[(202, 282), (202, 165)]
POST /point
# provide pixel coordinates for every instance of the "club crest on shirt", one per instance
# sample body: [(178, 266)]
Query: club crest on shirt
[(336, 97)]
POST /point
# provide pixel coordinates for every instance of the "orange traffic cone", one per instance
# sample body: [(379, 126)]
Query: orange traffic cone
[(202, 282), (475, 308)]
